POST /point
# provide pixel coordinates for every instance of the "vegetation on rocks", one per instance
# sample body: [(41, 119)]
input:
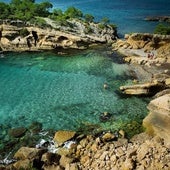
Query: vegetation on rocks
[(24, 9), (162, 29), (28, 10)]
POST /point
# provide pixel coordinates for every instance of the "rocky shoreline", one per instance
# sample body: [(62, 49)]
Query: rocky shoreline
[(152, 53), (71, 151), (158, 18), (20, 36)]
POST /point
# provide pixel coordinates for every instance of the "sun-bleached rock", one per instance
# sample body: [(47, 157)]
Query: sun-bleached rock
[(63, 136), (28, 153), (157, 122), (28, 37)]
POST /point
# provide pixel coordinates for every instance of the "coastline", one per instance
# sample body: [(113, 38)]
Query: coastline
[(101, 147)]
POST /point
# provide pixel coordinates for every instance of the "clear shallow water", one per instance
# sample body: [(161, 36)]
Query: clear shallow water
[(65, 92)]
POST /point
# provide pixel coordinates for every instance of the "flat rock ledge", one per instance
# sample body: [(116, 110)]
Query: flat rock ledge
[(142, 89), (158, 83)]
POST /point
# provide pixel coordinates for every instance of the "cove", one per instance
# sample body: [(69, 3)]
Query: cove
[(66, 91)]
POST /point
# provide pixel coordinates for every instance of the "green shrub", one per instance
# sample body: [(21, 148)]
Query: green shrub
[(113, 26), (101, 25), (40, 22), (105, 20), (162, 29), (88, 17), (73, 12), (24, 32)]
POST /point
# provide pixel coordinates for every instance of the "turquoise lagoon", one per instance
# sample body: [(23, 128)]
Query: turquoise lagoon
[(66, 91)]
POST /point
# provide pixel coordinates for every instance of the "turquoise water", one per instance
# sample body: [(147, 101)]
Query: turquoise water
[(65, 91)]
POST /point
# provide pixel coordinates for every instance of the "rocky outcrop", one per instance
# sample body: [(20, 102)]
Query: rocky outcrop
[(157, 83), (143, 89), (157, 122), (32, 38), (145, 49), (158, 18)]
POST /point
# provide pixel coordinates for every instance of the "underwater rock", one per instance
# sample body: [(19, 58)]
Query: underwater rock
[(17, 132), (35, 127), (105, 116)]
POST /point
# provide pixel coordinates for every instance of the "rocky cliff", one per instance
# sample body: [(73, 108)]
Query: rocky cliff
[(17, 36)]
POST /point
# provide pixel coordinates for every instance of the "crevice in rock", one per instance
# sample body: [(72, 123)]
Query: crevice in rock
[(34, 33), (0, 35), (62, 38)]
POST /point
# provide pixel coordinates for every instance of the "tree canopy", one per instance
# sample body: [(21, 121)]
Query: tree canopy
[(162, 29), (24, 9), (29, 10)]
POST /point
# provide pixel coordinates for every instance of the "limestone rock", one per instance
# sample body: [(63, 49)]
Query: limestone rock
[(159, 44), (72, 166), (65, 160), (50, 158), (157, 122), (75, 36), (161, 93), (108, 137), (142, 89), (23, 164), (28, 153), (167, 82), (63, 136), (52, 167)]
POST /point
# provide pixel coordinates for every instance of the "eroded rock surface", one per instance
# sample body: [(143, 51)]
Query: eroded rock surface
[(157, 122), (27, 37)]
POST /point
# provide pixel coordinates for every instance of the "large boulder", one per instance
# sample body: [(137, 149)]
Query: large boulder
[(63, 136), (157, 122), (28, 153)]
